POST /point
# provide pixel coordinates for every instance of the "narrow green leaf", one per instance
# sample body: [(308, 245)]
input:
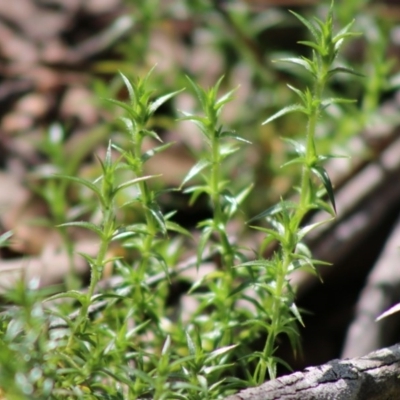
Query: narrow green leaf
[(344, 30), (323, 205), (191, 345), (150, 153), (329, 156), (286, 110), (226, 98), (297, 160), (163, 264), (308, 24), (71, 294), (134, 181), (327, 102), (255, 263), (84, 224), (233, 135), (299, 147), (129, 87), (298, 92), (275, 209), (324, 177), (218, 352), (304, 62), (166, 346), (161, 100), (204, 238), (123, 105), (200, 122), (134, 331), (313, 45), (241, 196), (90, 260), (84, 182), (158, 216), (174, 227), (272, 235), (308, 228), (201, 94), (195, 170), (296, 313), (152, 134), (344, 70)]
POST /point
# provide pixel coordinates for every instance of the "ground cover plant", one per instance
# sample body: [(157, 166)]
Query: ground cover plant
[(126, 340)]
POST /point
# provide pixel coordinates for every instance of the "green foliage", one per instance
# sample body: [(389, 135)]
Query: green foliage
[(127, 342)]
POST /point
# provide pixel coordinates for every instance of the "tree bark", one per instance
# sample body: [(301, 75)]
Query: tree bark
[(375, 376)]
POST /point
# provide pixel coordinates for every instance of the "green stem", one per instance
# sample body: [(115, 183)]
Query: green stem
[(95, 270), (276, 324), (146, 200), (219, 222), (288, 249), (225, 284)]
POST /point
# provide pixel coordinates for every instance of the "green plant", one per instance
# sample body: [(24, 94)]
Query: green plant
[(286, 217), (126, 341)]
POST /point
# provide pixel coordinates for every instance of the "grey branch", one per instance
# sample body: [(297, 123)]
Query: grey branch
[(375, 376)]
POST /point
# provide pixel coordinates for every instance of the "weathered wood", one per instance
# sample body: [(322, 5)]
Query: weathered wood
[(375, 376)]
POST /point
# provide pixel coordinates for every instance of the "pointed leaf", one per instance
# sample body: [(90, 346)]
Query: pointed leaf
[(134, 181), (308, 24), (195, 170), (71, 294), (199, 92), (391, 311), (275, 209), (123, 105), (327, 102), (299, 147), (298, 92), (271, 234), (163, 264), (129, 86), (286, 110), (308, 228), (232, 135), (90, 260), (296, 313), (329, 156), (161, 100), (174, 227), (297, 160), (226, 98), (151, 134), (238, 199), (344, 70), (84, 224), (204, 238), (324, 177), (304, 62), (84, 182), (345, 30), (150, 153), (191, 345), (313, 45), (158, 216), (218, 352)]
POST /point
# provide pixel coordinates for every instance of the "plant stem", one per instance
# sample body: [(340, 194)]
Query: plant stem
[(96, 269), (289, 248)]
